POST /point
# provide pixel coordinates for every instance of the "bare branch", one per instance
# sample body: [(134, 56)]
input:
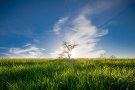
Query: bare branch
[(68, 47)]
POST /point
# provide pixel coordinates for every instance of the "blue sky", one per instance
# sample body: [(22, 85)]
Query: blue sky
[(37, 28)]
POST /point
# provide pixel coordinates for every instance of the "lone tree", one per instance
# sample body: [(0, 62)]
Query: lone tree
[(68, 47)]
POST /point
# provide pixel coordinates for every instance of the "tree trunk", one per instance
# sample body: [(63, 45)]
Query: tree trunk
[(69, 55)]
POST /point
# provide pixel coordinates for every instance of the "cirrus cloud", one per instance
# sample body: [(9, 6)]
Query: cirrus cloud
[(58, 26), (86, 36), (29, 51)]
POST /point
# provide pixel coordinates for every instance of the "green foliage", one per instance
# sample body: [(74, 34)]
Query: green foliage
[(64, 74)]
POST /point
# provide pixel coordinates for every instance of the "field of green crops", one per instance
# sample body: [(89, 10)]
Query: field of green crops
[(65, 74)]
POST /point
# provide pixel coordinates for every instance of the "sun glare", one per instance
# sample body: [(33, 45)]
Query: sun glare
[(74, 54)]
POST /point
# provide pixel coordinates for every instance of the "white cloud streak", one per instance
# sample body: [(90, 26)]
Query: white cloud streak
[(58, 26), (100, 6), (86, 35), (29, 51)]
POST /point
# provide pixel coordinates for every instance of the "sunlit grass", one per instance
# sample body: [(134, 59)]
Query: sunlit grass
[(65, 74)]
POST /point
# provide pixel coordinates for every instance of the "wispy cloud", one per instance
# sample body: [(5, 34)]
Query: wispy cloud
[(58, 26), (29, 51), (86, 36), (100, 6)]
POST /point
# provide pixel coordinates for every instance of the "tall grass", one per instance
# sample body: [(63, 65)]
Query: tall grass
[(65, 74)]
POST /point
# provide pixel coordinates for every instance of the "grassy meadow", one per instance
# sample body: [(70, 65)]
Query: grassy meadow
[(65, 74)]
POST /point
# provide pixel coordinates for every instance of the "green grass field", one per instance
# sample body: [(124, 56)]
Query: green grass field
[(65, 74)]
